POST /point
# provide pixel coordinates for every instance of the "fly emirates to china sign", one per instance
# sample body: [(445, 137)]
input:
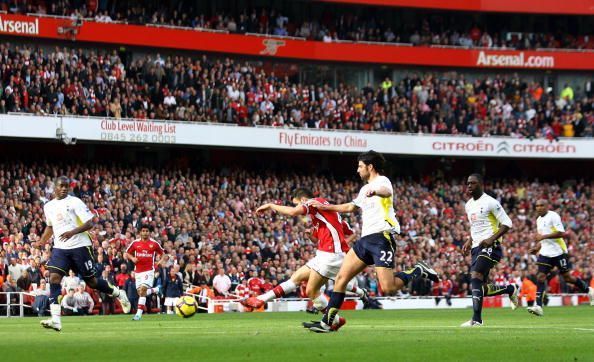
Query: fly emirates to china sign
[(218, 135)]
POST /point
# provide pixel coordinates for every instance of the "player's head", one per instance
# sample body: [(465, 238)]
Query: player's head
[(62, 187), (474, 185), (145, 231), (301, 195), (542, 207), (370, 163)]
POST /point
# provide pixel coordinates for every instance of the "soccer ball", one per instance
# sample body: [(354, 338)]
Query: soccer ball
[(186, 306)]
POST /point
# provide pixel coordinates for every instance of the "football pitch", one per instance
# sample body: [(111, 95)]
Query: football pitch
[(564, 334)]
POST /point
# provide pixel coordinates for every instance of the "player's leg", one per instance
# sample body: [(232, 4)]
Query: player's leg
[(368, 301), (479, 271), (564, 266), (142, 293), (58, 265), (351, 266), (84, 262), (494, 255), (545, 265), (284, 288), (315, 282)]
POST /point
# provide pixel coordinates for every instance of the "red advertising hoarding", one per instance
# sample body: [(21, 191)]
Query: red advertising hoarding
[(263, 46), (575, 7)]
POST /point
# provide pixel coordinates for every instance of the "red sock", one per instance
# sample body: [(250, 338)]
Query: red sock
[(278, 291)]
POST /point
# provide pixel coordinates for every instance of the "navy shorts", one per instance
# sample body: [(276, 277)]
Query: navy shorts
[(546, 264), (81, 260), (484, 259), (376, 249)]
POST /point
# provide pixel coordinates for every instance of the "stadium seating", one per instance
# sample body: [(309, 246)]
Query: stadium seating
[(207, 219), (204, 89), (333, 23)]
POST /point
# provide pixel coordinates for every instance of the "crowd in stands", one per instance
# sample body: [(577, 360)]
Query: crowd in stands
[(86, 82), (332, 24), (205, 221)]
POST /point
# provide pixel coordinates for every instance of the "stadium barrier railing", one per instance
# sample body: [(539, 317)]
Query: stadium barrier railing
[(19, 305)]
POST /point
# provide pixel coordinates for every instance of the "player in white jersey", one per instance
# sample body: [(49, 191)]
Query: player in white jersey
[(488, 223), (68, 219), (376, 246), (552, 253)]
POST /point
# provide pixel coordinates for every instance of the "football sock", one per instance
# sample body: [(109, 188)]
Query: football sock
[(353, 288), (55, 291), (581, 285), (409, 275), (141, 305), (320, 302), (280, 290), (540, 292), (104, 287), (477, 299), (492, 290), (55, 311), (333, 306)]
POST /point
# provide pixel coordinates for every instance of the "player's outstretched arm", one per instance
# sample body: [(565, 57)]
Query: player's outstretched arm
[(285, 210), (344, 208)]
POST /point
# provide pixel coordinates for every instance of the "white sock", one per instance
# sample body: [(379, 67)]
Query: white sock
[(286, 287), (353, 288), (116, 292), (141, 302), (149, 291), (320, 302), (56, 311)]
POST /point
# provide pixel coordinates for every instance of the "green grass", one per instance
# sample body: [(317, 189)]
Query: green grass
[(564, 334)]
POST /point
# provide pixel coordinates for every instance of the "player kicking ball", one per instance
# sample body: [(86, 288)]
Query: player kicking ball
[(68, 219), (552, 253), (143, 253), (331, 248), (377, 244)]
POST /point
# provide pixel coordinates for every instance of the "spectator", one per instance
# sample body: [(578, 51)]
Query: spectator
[(221, 283), (41, 302), (173, 289), (71, 281), (83, 300), (122, 276)]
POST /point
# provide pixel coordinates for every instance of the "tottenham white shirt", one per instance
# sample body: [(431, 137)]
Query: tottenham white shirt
[(485, 216), (377, 212), (65, 215), (548, 224)]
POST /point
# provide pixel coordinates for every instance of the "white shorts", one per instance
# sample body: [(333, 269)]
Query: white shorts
[(146, 278), (170, 302), (326, 264)]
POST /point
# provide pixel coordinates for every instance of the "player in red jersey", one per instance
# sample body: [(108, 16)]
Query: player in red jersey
[(332, 247), (143, 253)]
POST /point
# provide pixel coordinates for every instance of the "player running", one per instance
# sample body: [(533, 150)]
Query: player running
[(376, 246), (552, 253), (332, 246), (143, 252), (68, 219), (488, 223)]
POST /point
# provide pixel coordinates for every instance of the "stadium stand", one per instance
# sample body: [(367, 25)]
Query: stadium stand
[(336, 23), (205, 221), (86, 82)]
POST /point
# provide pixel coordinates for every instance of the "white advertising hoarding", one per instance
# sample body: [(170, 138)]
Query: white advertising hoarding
[(159, 132)]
